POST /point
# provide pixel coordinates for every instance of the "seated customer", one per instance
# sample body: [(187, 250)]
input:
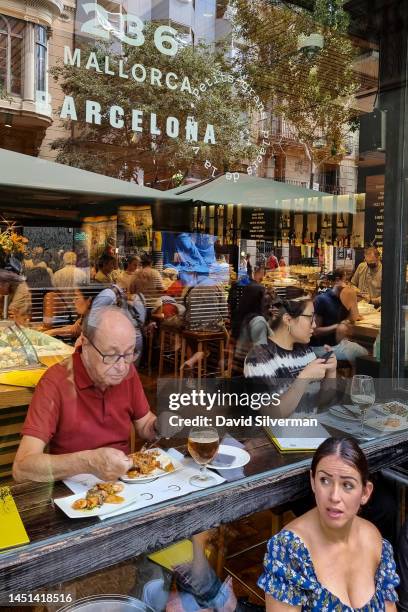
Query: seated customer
[(287, 357), (330, 558), (368, 276), (84, 407), (82, 303), (16, 292), (334, 310), (250, 326), (106, 266)]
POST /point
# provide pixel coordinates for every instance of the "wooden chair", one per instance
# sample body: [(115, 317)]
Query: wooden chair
[(170, 345), (204, 342)]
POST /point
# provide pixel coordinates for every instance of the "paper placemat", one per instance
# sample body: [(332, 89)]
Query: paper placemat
[(351, 427), (173, 486)]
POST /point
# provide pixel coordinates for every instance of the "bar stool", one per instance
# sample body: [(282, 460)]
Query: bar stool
[(170, 344), (203, 340)]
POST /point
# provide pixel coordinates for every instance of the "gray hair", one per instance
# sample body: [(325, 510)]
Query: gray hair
[(94, 318)]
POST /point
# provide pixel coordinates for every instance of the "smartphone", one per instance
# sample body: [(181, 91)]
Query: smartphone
[(326, 356), (223, 460)]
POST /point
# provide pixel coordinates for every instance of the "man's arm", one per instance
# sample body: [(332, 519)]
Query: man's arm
[(323, 331), (31, 463), (146, 426), (348, 298)]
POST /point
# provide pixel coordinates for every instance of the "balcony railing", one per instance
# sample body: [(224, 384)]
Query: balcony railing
[(290, 181), (333, 189), (326, 187)]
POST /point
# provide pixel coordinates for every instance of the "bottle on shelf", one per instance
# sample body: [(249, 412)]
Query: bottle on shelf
[(281, 222), (341, 222), (326, 221)]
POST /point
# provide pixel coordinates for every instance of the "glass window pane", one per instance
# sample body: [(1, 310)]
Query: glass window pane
[(41, 35), (3, 59), (16, 65), (16, 27), (40, 67), (3, 25)]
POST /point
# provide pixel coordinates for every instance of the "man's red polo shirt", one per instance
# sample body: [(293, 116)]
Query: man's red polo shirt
[(70, 414)]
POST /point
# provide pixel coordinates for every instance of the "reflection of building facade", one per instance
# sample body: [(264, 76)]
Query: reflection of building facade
[(28, 40), (32, 40)]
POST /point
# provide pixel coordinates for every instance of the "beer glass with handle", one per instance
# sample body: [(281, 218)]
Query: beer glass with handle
[(203, 443)]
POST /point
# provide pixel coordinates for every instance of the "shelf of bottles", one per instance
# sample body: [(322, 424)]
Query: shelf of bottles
[(220, 221), (318, 238)]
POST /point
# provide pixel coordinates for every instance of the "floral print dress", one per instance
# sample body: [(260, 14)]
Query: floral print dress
[(289, 577)]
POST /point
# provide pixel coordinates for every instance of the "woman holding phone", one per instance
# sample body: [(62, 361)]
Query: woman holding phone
[(287, 362), (329, 558)]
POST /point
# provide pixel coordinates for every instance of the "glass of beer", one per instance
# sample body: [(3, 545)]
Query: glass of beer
[(203, 443)]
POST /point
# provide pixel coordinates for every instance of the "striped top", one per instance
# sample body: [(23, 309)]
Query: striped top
[(271, 361), (272, 368)]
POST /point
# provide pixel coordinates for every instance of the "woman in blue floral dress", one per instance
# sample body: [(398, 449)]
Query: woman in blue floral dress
[(330, 559)]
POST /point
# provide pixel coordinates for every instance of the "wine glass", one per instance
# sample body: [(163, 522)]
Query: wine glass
[(203, 443), (362, 394)]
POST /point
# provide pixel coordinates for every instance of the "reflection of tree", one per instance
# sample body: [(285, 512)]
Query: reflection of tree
[(120, 152), (314, 91)]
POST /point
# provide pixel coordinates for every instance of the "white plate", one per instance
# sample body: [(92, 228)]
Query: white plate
[(379, 423), (241, 457), (65, 503), (164, 460)]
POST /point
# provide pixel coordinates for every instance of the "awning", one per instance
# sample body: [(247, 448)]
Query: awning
[(27, 180), (254, 192)]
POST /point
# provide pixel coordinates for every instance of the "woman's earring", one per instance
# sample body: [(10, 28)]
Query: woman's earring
[(288, 326)]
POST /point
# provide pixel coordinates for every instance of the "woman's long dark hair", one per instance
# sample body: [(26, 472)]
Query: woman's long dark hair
[(294, 308), (348, 450), (251, 304)]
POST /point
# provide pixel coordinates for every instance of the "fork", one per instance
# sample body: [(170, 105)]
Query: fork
[(147, 445)]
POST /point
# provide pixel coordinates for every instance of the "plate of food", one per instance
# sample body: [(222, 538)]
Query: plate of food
[(396, 408), (387, 424), (149, 465), (103, 498)]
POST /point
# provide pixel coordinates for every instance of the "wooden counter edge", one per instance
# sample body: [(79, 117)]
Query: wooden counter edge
[(66, 557)]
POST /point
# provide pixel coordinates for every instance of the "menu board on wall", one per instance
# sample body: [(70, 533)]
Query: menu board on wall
[(374, 210), (257, 224)]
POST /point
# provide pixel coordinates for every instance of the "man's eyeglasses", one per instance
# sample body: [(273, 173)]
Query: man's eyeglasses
[(312, 317), (112, 359)]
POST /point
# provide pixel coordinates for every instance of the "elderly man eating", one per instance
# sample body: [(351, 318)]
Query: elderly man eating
[(83, 408)]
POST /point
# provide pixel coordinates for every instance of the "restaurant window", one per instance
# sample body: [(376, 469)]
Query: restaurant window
[(11, 54), (40, 58)]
